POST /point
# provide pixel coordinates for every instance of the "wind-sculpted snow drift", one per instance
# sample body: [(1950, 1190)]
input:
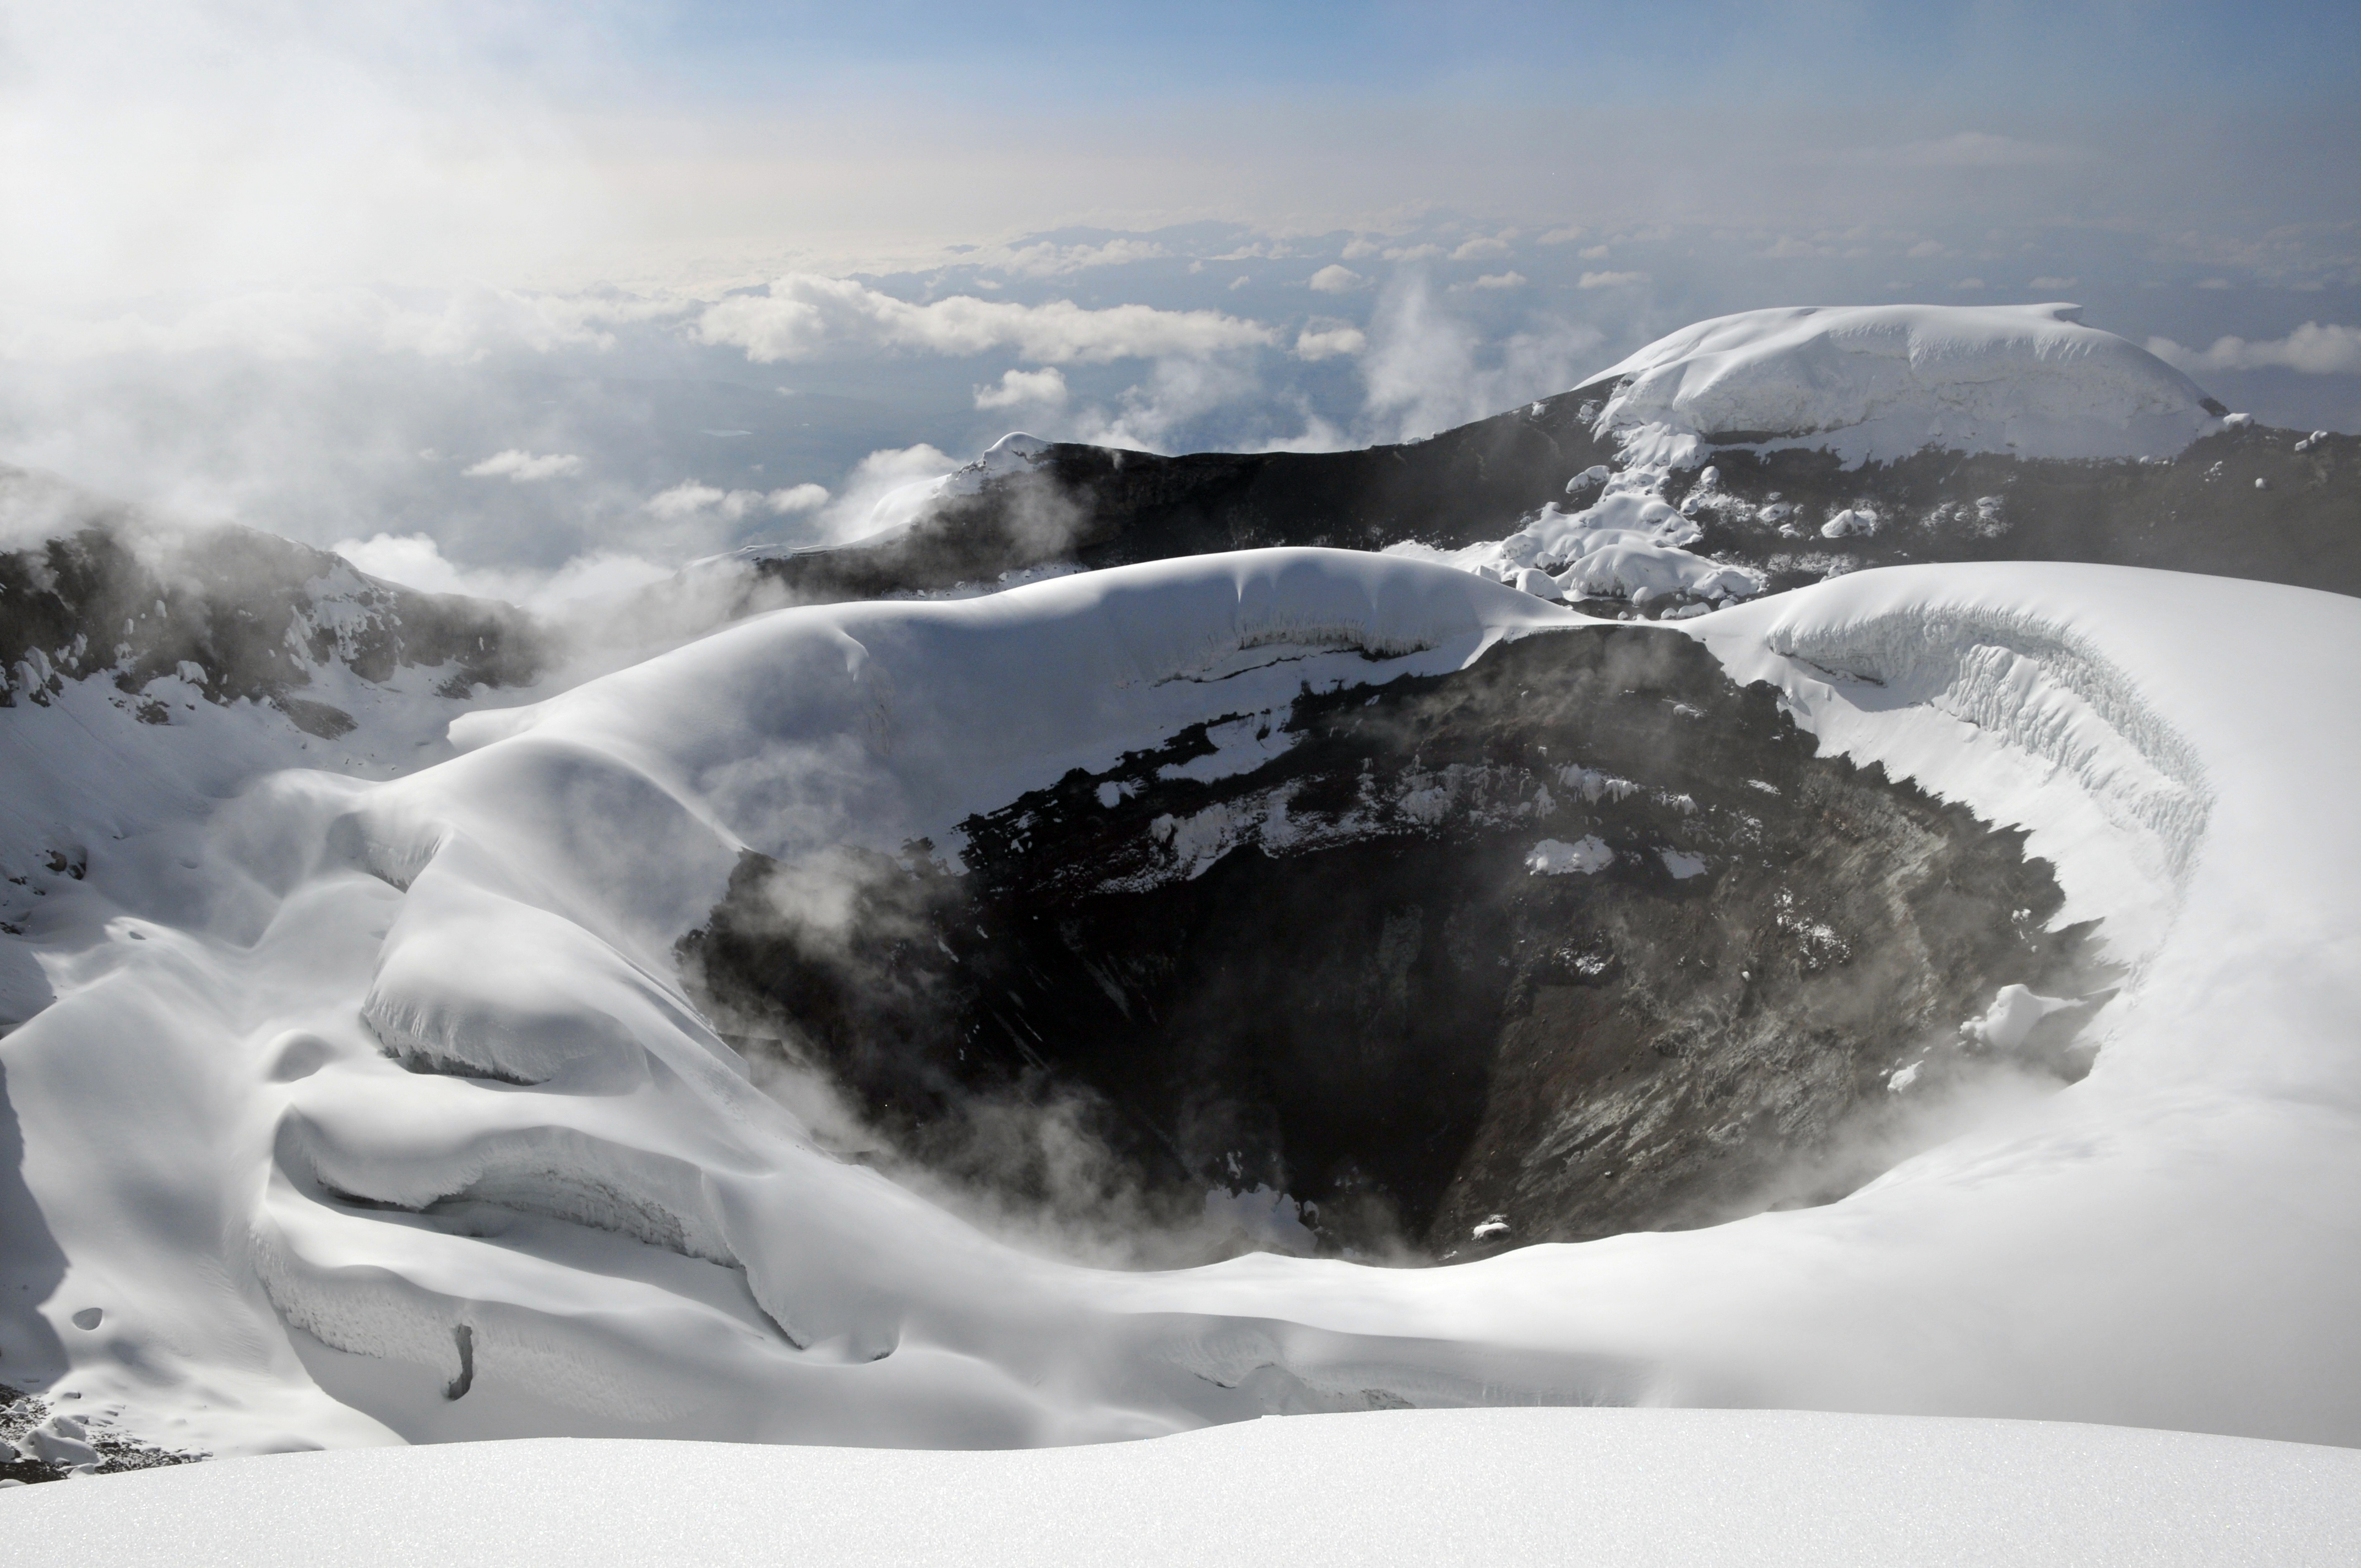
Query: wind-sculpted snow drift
[(405, 1125)]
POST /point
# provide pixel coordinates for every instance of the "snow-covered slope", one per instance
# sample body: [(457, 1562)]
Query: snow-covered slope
[(148, 671), (424, 1113), (1603, 1487), (1879, 382), (410, 1129)]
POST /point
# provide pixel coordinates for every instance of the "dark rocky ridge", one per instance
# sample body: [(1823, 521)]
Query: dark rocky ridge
[(116, 1452), (2198, 512), (1364, 998), (255, 612), (1108, 508)]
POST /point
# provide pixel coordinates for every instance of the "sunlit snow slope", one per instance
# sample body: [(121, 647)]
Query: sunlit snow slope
[(1599, 1488), (408, 1130), (1879, 382)]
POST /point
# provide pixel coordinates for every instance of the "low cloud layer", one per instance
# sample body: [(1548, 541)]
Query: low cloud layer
[(524, 469), (416, 561), (803, 315), (1427, 369), (527, 429), (2311, 349), (690, 499), (1024, 389)]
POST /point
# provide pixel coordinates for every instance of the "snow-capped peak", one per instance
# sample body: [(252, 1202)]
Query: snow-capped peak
[(1013, 454), (1879, 382)]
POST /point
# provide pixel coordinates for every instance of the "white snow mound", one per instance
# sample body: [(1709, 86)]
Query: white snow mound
[(1602, 1488), (1875, 383)]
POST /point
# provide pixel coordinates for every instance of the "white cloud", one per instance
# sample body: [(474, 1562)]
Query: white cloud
[(1179, 390), (1566, 236), (1592, 253), (1413, 253), (1318, 435), (1969, 284), (1335, 280), (1260, 250), (2311, 349), (1323, 338), (1518, 279), (1480, 248), (1611, 279), (691, 499), (197, 147), (2053, 282), (2217, 283), (1240, 281), (796, 498), (1426, 371), (1044, 259), (416, 561), (883, 491), (1359, 247), (298, 323), (804, 315), (523, 467), (1925, 249), (1043, 389)]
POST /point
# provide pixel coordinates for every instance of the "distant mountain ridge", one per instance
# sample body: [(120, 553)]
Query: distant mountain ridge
[(2184, 487), (229, 613)]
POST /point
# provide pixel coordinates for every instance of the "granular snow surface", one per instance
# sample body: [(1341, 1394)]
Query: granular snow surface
[(1597, 1487)]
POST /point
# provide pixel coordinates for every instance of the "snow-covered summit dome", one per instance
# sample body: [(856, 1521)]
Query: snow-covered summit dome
[(1879, 382)]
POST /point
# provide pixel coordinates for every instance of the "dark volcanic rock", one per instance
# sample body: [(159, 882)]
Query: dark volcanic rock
[(1106, 508), (2201, 511), (24, 1417), (1334, 972), (255, 613)]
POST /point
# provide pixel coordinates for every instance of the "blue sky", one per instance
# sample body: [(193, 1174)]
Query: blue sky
[(287, 251), (1988, 53)]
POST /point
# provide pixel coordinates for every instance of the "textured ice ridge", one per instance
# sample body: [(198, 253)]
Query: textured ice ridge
[(2037, 687)]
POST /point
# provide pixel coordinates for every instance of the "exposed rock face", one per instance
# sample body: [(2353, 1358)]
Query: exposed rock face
[(41, 1440), (1116, 506), (1579, 940), (2201, 511), (244, 614)]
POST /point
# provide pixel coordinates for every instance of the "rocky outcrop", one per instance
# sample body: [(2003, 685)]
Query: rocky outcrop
[(2249, 501), (1107, 507), (237, 614)]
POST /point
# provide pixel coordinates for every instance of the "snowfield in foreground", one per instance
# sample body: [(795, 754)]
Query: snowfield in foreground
[(1593, 1486), (402, 1127)]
